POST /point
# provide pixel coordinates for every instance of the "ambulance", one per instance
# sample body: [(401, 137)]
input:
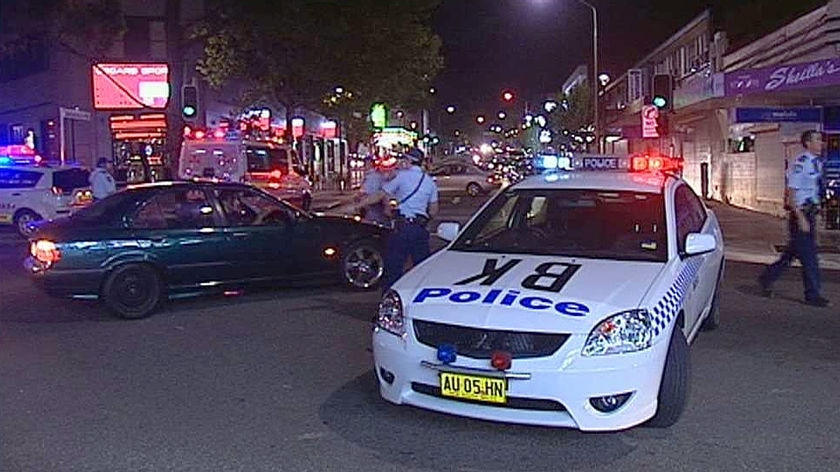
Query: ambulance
[(224, 156)]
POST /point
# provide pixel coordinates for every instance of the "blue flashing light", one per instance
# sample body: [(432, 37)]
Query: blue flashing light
[(547, 162), (6, 161), (447, 353)]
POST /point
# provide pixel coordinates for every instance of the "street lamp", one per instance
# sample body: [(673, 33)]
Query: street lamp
[(502, 115), (479, 119), (550, 106), (507, 96), (597, 130), (450, 109)]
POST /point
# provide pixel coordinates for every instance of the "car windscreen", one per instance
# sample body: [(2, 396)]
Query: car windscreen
[(267, 159), (70, 179), (573, 223), (112, 208)]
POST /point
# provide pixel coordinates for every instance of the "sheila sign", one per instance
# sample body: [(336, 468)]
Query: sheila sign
[(786, 77)]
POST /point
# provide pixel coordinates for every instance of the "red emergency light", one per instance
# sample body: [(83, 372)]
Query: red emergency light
[(648, 163)]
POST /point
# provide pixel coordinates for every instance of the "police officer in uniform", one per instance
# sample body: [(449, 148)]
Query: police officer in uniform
[(380, 171), (802, 199), (415, 196)]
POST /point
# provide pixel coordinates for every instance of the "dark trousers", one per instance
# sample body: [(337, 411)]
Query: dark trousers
[(802, 246), (407, 240)]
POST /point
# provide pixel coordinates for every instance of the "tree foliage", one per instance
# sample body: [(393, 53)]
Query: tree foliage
[(88, 27), (296, 52), (575, 111)]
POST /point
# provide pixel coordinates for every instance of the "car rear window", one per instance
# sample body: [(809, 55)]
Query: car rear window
[(266, 160), (70, 179), (19, 178)]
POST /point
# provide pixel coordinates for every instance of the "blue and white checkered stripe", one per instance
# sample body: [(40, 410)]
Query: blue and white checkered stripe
[(666, 310)]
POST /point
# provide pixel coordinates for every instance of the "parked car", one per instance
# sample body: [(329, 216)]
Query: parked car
[(31, 193), (465, 177), (178, 239), (569, 300)]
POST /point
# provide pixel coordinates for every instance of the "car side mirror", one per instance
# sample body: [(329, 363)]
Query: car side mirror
[(699, 243), (448, 230)]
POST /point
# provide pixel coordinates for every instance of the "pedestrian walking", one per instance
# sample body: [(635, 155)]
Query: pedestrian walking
[(414, 195), (802, 200), (101, 180)]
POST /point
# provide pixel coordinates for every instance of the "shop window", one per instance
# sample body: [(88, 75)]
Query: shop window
[(741, 145)]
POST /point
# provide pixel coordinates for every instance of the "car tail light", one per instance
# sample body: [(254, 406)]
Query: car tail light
[(276, 174), (45, 251)]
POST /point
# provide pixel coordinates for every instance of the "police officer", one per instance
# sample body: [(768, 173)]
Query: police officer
[(380, 171), (415, 196), (802, 199), (101, 181)]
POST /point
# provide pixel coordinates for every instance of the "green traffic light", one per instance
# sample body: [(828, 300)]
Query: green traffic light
[(659, 101), (189, 111)]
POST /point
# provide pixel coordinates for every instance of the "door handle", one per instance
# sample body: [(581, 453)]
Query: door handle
[(16, 194)]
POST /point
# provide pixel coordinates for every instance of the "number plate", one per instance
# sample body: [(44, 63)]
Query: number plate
[(473, 387)]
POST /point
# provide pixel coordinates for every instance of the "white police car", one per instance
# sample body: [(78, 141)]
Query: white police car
[(568, 300), (29, 193)]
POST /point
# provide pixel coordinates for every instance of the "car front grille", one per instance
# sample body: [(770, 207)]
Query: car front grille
[(512, 402), (480, 343)]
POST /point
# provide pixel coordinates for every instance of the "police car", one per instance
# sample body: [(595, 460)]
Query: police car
[(30, 193), (568, 300)]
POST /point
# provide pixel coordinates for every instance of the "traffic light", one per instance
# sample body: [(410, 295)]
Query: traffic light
[(189, 102), (663, 91)]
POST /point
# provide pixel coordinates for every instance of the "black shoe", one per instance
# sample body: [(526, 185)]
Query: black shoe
[(766, 288), (818, 302)]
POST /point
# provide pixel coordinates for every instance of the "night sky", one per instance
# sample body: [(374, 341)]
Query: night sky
[(531, 46)]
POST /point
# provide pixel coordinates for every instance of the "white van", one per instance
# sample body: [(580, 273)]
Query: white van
[(33, 193), (272, 167)]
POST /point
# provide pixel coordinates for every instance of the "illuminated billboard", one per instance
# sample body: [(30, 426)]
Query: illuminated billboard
[(130, 86)]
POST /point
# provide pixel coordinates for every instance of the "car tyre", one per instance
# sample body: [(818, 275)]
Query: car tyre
[(22, 220), (674, 389), (712, 321), (362, 266), (133, 291), (473, 189)]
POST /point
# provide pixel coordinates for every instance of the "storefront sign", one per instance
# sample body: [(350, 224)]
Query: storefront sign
[(780, 78), (778, 115), (130, 86), (650, 121)]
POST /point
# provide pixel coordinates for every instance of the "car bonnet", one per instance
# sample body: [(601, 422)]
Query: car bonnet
[(523, 292)]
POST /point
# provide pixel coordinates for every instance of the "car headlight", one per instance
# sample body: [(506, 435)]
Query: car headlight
[(628, 331), (390, 316)]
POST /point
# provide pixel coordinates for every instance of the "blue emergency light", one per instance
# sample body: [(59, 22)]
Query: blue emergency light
[(550, 163)]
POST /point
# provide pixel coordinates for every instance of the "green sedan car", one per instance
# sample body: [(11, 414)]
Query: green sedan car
[(151, 242)]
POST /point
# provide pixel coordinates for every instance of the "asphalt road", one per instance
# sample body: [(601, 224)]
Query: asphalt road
[(281, 381)]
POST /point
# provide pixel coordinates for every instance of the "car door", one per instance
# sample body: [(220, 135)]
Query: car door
[(261, 230), (691, 218), (443, 177), (179, 228)]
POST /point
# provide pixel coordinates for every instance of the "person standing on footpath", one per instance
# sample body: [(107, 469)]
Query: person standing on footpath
[(102, 183), (415, 196), (802, 200)]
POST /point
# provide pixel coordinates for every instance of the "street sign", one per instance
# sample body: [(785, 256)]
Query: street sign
[(73, 114), (650, 121)]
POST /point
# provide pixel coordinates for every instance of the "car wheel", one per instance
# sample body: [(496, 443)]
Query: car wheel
[(473, 189), (132, 291), (712, 321), (362, 266), (673, 391), (22, 220)]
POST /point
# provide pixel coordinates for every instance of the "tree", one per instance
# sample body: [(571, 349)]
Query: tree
[(575, 111), (295, 52), (85, 27)]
